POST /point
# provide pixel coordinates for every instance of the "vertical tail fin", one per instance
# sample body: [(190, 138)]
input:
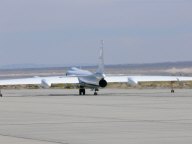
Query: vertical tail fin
[(101, 59)]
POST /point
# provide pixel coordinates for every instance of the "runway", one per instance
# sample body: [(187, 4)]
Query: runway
[(115, 116)]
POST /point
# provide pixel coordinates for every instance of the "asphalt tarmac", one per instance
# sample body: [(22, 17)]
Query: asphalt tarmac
[(115, 116)]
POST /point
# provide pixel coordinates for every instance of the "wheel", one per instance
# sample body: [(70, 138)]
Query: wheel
[(82, 91)]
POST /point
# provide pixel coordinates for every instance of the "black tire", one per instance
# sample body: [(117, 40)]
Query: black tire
[(79, 91), (82, 91)]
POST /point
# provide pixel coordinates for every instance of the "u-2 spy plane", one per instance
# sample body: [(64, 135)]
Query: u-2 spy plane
[(86, 79)]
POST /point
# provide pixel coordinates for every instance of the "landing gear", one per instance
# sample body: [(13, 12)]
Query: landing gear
[(1, 95), (172, 90), (82, 91), (95, 93)]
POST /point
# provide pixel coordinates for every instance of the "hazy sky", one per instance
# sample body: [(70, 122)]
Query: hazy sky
[(69, 31)]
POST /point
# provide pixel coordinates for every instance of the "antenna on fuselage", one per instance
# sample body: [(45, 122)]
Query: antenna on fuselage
[(101, 59)]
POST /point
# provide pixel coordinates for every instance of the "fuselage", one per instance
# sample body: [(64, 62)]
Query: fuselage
[(87, 78)]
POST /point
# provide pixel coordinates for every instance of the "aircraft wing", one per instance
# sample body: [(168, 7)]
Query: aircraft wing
[(47, 81), (43, 81), (137, 79)]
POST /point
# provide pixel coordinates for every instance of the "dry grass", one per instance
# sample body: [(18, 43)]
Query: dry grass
[(20, 87), (187, 84)]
